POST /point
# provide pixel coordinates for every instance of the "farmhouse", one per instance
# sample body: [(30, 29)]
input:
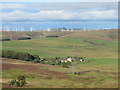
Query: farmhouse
[(69, 59), (82, 60), (64, 61)]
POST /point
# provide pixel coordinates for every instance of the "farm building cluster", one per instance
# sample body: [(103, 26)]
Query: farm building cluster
[(72, 59)]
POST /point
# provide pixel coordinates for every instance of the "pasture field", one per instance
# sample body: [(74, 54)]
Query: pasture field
[(62, 46), (93, 75), (98, 47)]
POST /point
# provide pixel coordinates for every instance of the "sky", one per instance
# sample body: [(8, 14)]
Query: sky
[(43, 15), (60, 0)]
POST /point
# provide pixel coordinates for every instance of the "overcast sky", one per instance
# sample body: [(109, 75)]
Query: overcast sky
[(59, 0), (59, 11)]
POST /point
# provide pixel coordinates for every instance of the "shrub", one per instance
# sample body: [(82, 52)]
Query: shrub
[(52, 36), (7, 39), (20, 82), (65, 65), (35, 61), (7, 54), (36, 57), (24, 38)]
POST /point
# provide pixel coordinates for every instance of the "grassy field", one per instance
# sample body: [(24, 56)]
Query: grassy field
[(97, 74), (62, 46), (99, 47)]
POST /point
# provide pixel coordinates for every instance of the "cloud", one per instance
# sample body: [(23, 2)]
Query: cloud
[(60, 15), (73, 5), (59, 11), (98, 15), (12, 6), (61, 5), (61, 1)]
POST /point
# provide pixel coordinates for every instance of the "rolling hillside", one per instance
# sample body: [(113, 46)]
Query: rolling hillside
[(62, 46), (93, 75), (98, 47)]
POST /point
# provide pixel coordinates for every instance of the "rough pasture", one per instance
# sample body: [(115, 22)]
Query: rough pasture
[(47, 75), (99, 46)]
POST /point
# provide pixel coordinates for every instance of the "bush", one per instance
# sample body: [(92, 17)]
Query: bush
[(7, 39), (35, 61), (24, 38), (52, 36), (7, 54), (65, 65), (20, 82)]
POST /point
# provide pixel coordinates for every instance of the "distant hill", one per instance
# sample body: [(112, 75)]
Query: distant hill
[(100, 34)]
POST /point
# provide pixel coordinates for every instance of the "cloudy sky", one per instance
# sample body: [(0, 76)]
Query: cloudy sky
[(95, 13)]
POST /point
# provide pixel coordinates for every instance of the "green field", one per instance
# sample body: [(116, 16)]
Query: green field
[(103, 52), (62, 46)]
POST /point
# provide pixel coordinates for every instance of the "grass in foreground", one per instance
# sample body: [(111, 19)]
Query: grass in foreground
[(100, 75)]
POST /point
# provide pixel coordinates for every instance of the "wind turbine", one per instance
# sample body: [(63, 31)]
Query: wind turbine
[(71, 29), (16, 29), (22, 29), (84, 28), (19, 29), (2, 28), (67, 29), (48, 29), (98, 28), (62, 29), (31, 29), (7, 28)]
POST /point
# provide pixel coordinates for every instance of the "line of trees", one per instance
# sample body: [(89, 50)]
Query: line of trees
[(37, 59), (33, 58), (20, 56), (21, 38), (6, 39), (24, 38)]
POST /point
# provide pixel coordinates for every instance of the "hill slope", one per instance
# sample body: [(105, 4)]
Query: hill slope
[(47, 76)]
